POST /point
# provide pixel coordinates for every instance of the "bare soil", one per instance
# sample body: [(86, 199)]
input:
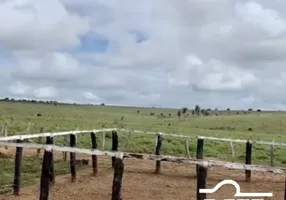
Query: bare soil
[(177, 181)]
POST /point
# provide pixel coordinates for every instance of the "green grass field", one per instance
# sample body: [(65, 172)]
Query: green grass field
[(265, 126)]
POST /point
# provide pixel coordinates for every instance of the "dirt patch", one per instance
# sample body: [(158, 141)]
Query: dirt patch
[(5, 153), (177, 181)]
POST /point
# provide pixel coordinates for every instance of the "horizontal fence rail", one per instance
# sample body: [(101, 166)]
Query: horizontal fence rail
[(53, 134), (121, 155), (65, 149), (204, 137)]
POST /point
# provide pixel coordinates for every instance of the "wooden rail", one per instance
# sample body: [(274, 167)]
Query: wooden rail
[(166, 158), (53, 134), (204, 137), (96, 131)]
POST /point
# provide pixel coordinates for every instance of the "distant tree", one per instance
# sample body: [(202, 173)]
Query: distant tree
[(197, 110), (184, 110), (258, 110), (250, 109), (205, 112), (216, 109), (193, 112), (138, 111), (102, 104), (209, 109), (179, 113), (228, 109)]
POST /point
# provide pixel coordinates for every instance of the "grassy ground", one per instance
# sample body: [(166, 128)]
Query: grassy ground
[(265, 126)]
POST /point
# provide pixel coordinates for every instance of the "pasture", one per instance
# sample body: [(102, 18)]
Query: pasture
[(22, 118)]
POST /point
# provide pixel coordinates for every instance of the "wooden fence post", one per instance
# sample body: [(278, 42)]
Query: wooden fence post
[(5, 132), (103, 141), (45, 176), (39, 141), (50, 141), (201, 181), (285, 189), (94, 157), (117, 178), (158, 152), (248, 151), (272, 155), (73, 158), (17, 172), (114, 146), (200, 151)]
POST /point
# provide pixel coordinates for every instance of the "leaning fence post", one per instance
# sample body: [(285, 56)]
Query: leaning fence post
[(65, 143), (94, 157), (73, 158), (200, 151), (17, 172), (39, 141), (187, 148), (45, 176), (159, 140), (5, 132), (201, 181), (117, 177), (114, 145), (232, 150), (272, 155), (248, 159), (103, 141), (50, 141)]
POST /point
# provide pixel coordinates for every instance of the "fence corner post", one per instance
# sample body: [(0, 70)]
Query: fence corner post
[(117, 177), (248, 153), (114, 146), (200, 151), (45, 176), (18, 166), (201, 181), (73, 158), (94, 157), (159, 140), (50, 141)]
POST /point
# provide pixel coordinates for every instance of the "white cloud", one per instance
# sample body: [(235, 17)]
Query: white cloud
[(19, 89), (219, 53), (255, 14), (45, 92), (90, 96), (45, 24)]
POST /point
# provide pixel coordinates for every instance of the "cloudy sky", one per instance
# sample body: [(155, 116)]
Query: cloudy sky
[(169, 53)]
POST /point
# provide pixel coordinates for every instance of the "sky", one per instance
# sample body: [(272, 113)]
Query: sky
[(167, 53)]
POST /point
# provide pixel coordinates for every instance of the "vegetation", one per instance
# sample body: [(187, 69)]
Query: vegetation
[(24, 117)]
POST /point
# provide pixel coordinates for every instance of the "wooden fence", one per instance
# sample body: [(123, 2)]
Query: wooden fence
[(47, 175)]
